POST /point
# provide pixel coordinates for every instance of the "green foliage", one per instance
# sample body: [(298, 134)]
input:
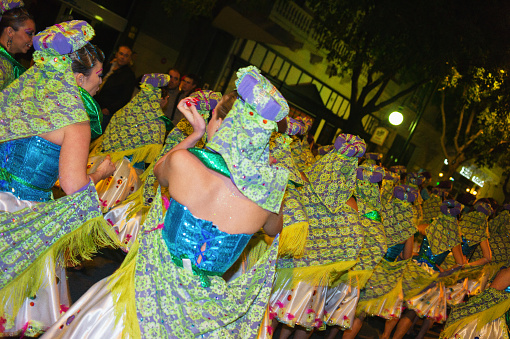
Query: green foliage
[(411, 42)]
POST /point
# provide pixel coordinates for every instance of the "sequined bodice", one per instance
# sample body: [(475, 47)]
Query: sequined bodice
[(188, 237), (468, 247), (393, 252), (29, 168), (425, 255)]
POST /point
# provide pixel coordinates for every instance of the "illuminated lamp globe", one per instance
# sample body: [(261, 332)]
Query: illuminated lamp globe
[(396, 118)]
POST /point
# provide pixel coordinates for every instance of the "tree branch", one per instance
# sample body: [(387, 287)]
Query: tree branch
[(443, 133), (470, 122), (400, 94), (356, 71), (461, 119), (377, 95), (473, 138), (456, 137)]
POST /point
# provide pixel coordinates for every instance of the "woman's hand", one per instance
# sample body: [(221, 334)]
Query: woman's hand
[(105, 169), (187, 107)]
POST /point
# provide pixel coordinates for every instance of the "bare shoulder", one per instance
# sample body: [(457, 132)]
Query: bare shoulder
[(183, 161), (185, 171), (71, 133)]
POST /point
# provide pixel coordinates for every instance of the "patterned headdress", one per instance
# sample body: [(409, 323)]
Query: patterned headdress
[(333, 177), (373, 158), (405, 193), (451, 207), (415, 179), (243, 140), (6, 5), (279, 147), (483, 207), (206, 101), (367, 188), (46, 97), (294, 127), (131, 127), (399, 169)]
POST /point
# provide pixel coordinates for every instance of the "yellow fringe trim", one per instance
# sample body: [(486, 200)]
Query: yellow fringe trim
[(425, 280), (481, 318), (256, 249), (121, 284), (373, 306), (322, 275), (145, 153), (149, 170), (69, 250), (293, 240)]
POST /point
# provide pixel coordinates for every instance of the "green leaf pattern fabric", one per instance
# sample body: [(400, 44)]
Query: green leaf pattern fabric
[(443, 234), (171, 302), (474, 227), (332, 237), (136, 124), (397, 219)]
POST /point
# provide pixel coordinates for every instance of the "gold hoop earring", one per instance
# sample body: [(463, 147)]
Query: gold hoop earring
[(9, 43)]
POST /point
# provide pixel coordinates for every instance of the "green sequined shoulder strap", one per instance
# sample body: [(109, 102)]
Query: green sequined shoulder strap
[(211, 160), (93, 111), (18, 68)]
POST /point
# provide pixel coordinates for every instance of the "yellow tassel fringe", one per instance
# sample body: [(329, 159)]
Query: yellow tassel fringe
[(121, 284), (69, 250), (322, 275), (145, 153), (482, 318), (293, 240)]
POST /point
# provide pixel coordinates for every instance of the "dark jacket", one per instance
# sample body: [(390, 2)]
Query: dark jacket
[(117, 89)]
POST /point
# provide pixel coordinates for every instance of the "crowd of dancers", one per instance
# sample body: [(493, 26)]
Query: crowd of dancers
[(232, 224)]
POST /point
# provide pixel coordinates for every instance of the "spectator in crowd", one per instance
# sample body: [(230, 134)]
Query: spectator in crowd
[(118, 84), (189, 84), (173, 93)]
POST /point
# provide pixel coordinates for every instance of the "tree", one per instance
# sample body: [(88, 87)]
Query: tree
[(476, 123), (373, 42)]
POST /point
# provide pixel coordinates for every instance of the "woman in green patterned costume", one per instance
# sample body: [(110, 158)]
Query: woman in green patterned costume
[(383, 294), (442, 236), (127, 217), (482, 316), (170, 283), (17, 28), (341, 311), (499, 237), (321, 240), (133, 138), (45, 135)]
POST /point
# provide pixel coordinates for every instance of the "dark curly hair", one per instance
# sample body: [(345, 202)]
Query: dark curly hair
[(86, 58), (14, 18)]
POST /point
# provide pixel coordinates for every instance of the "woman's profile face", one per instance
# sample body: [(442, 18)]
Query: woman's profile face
[(22, 38), (91, 82)]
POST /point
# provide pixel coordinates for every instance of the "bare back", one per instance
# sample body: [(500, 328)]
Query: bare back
[(211, 196)]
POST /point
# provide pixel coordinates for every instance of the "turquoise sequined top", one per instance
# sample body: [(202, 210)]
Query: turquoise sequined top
[(425, 255), (468, 248), (393, 252), (29, 168), (209, 250), (188, 237)]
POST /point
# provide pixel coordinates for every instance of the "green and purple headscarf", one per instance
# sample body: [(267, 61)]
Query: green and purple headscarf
[(243, 140), (46, 97)]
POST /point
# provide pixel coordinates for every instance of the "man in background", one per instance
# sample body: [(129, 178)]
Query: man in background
[(173, 92), (189, 84), (118, 84)]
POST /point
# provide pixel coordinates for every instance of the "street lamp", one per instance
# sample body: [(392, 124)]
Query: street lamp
[(396, 118)]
